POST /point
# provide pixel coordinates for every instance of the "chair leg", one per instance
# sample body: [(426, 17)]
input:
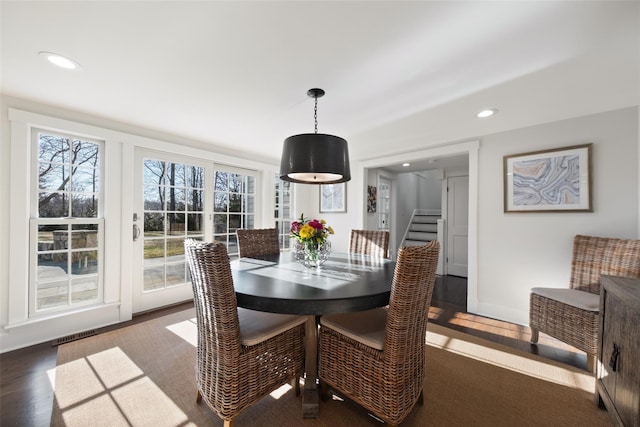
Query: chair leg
[(324, 391), (296, 385), (421, 398), (198, 397), (228, 423), (591, 363), (534, 335)]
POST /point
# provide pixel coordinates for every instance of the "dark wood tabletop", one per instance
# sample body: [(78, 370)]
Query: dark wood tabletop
[(345, 282)]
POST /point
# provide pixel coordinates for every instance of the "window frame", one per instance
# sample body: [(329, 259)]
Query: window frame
[(35, 221)]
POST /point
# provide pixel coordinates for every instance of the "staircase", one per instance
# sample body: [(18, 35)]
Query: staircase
[(424, 226)]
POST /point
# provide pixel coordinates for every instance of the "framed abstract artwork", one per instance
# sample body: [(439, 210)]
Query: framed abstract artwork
[(549, 181), (333, 197)]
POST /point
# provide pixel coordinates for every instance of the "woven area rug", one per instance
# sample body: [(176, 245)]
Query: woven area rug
[(143, 375)]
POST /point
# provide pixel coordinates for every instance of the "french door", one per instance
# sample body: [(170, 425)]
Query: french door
[(177, 198), (170, 205)]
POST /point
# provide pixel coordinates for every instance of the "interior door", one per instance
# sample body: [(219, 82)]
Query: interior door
[(169, 207), (457, 225)]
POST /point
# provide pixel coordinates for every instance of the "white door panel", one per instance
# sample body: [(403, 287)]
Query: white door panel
[(458, 228)]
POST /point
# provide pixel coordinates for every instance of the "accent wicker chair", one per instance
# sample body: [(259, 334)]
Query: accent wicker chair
[(242, 355), (369, 242), (376, 357), (258, 242), (571, 315)]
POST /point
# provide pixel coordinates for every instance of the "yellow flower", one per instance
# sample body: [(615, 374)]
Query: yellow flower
[(330, 229), (306, 232)]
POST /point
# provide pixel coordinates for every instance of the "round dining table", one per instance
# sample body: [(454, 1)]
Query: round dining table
[(345, 282), (279, 284)]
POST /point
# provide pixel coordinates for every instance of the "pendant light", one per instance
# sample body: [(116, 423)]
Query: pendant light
[(315, 158)]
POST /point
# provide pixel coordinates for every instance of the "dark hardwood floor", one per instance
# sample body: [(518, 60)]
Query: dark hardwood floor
[(26, 395)]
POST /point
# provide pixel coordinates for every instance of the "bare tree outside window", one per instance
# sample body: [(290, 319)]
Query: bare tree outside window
[(68, 177)]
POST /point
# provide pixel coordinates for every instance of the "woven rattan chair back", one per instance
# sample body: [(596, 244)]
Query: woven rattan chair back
[(388, 382), (594, 256), (369, 242), (230, 376), (408, 312), (258, 242)]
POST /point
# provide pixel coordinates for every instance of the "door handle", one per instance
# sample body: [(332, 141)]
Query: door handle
[(613, 361), (136, 232)]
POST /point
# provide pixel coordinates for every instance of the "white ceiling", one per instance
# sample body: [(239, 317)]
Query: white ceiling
[(399, 76)]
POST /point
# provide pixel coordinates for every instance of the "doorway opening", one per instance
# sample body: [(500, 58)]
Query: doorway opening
[(454, 160)]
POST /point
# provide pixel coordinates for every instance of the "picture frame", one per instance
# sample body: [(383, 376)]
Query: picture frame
[(372, 198), (555, 180), (333, 197)]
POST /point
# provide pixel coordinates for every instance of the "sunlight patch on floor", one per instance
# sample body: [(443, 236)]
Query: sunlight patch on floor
[(187, 330), (108, 387), (527, 365), (280, 391)]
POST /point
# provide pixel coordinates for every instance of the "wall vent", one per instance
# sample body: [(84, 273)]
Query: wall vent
[(73, 337)]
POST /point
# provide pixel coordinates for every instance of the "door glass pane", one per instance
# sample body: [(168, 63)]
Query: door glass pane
[(154, 172), (283, 211), (173, 204), (195, 224), (176, 224), (221, 202), (195, 200), (153, 224), (175, 274), (234, 207), (153, 198)]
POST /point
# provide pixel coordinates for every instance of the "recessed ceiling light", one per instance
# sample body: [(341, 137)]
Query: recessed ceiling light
[(486, 113), (406, 164), (59, 60)]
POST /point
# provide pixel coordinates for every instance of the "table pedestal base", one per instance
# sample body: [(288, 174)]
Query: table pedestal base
[(310, 394), (310, 405)]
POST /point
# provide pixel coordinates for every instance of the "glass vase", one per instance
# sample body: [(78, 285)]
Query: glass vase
[(312, 254)]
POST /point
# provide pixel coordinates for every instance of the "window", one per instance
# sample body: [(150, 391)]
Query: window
[(66, 227), (234, 206), (173, 210), (283, 211)]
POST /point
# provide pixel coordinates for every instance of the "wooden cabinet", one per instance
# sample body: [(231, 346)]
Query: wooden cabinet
[(618, 367)]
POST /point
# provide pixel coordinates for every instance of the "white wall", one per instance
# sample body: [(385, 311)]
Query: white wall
[(518, 251), (430, 189)]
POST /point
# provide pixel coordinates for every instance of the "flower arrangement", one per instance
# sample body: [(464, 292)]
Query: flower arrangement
[(310, 232)]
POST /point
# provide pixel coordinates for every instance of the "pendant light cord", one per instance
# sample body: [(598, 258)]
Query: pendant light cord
[(315, 114)]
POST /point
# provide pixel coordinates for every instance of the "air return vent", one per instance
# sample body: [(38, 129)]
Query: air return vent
[(73, 337)]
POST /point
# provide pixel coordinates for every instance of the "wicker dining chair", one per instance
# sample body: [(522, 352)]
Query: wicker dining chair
[(571, 314), (369, 242), (242, 355), (376, 357), (258, 242)]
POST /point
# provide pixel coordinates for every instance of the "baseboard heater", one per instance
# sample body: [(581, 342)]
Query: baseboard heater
[(73, 337)]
